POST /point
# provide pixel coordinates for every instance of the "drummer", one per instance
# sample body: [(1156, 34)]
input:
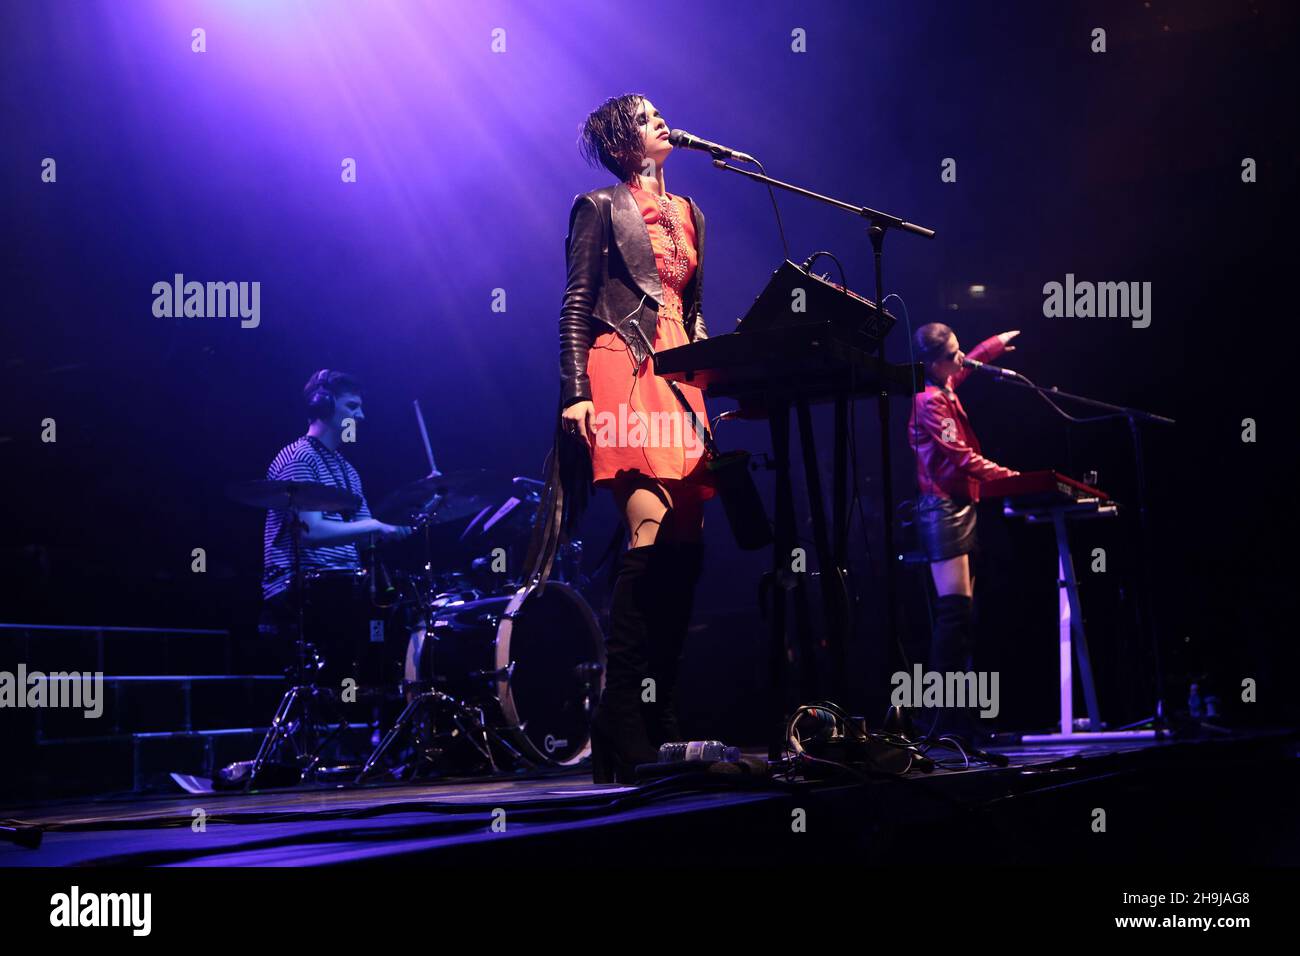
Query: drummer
[(329, 539)]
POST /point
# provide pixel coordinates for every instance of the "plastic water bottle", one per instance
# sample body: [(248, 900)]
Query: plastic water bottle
[(704, 751)]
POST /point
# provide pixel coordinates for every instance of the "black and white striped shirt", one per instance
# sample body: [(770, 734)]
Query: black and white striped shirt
[(308, 459)]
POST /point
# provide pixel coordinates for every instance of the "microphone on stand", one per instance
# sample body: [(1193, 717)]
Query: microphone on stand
[(991, 369), (681, 139), (382, 592)]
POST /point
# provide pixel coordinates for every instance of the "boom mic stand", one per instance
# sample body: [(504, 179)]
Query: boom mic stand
[(1135, 417), (880, 222)]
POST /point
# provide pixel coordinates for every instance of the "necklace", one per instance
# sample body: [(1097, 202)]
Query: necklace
[(677, 262)]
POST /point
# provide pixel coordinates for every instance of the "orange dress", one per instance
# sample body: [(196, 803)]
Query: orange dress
[(639, 424)]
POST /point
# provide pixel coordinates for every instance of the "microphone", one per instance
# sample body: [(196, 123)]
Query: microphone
[(991, 369), (382, 592), (684, 140)]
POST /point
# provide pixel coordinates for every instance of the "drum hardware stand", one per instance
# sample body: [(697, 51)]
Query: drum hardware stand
[(304, 688), (282, 729), (424, 520), (426, 514), (469, 720)]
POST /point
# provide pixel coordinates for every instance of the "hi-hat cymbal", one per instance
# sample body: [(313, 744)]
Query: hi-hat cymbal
[(447, 497), (303, 495)]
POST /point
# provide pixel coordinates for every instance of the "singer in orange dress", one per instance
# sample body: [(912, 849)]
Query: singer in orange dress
[(635, 264), (625, 395)]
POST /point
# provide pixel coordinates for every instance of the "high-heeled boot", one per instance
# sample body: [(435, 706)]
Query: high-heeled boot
[(618, 728), (678, 572), (951, 647)]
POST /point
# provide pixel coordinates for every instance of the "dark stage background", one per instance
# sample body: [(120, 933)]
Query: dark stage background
[(225, 166)]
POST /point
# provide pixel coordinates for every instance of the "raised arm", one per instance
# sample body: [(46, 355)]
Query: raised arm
[(986, 351)]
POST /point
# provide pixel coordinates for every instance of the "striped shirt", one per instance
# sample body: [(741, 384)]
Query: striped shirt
[(308, 459)]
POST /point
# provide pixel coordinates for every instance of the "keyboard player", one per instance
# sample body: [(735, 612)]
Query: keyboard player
[(949, 469)]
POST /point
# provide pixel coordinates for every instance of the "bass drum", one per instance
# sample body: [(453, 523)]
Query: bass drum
[(534, 661)]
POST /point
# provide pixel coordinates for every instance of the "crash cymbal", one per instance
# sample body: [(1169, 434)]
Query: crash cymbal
[(456, 494), (303, 495)]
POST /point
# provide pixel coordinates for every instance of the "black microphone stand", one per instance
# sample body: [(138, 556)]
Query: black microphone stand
[(1135, 417), (880, 222)]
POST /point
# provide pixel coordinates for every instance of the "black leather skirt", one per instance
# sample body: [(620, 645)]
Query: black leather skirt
[(944, 528)]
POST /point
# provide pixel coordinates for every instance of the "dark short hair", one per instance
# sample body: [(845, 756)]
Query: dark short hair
[(334, 382), (611, 136), (930, 341)]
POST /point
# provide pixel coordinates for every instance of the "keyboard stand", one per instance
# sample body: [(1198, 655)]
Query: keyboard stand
[(1073, 642)]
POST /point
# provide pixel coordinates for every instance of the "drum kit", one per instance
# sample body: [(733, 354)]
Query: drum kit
[(490, 672)]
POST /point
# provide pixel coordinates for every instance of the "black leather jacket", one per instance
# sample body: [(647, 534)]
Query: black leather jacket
[(608, 282)]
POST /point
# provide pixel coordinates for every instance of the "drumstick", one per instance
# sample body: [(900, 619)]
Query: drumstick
[(424, 435)]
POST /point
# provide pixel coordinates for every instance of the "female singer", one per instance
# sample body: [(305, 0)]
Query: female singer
[(635, 269), (949, 469)]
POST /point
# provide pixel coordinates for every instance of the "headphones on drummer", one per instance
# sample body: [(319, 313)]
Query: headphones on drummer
[(320, 396), (323, 388)]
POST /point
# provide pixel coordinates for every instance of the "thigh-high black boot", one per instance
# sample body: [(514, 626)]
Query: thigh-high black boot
[(618, 729), (677, 574), (951, 647)]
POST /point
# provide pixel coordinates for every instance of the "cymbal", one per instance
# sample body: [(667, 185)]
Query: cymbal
[(457, 494), (525, 487), (303, 495)]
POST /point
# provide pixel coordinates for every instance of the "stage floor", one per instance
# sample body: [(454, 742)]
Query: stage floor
[(1041, 807)]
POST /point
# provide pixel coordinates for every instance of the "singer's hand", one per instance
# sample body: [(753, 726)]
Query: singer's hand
[(1006, 337), (579, 421)]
